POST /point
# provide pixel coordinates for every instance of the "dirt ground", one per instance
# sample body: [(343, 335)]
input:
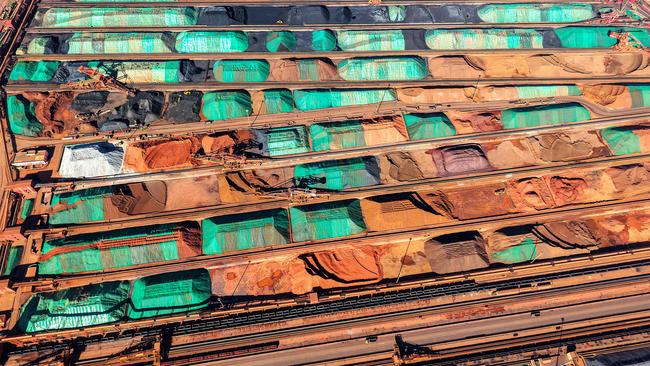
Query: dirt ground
[(192, 192), (347, 266)]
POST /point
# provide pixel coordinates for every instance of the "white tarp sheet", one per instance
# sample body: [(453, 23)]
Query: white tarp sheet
[(91, 160)]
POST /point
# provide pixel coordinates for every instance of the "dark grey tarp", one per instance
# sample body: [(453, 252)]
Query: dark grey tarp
[(184, 107), (90, 102), (222, 15), (632, 357), (143, 108)]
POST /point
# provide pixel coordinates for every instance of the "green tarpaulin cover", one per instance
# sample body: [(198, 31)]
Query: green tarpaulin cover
[(75, 307), (632, 14), (94, 259), (640, 94), (283, 140), (283, 41), (323, 40), (240, 232), (170, 293), (218, 106), (13, 259), (40, 45), (365, 40), (544, 115), (119, 17), (535, 13), (545, 91), (21, 118), (597, 37), (153, 245), (522, 252), (87, 260), (421, 126), (338, 135), (146, 71), (241, 71), (308, 69), (483, 39), (205, 42), (278, 101), (108, 236), (34, 70), (26, 210), (338, 174), (621, 140), (139, 71), (307, 100), (386, 68), (111, 43), (326, 220), (396, 13), (83, 206)]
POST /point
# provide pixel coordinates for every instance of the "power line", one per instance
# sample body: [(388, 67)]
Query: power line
[(402, 261)]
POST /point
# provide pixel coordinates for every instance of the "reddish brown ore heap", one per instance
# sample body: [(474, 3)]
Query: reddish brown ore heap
[(346, 265), (54, 111), (139, 198), (170, 153)]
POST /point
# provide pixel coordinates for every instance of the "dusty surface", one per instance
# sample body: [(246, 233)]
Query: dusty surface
[(445, 254), (223, 144), (345, 265), (288, 70), (150, 155), (565, 147), (54, 111), (468, 122), (485, 200), (559, 65), (192, 192), (399, 211), (384, 132), (462, 251), (140, 198)]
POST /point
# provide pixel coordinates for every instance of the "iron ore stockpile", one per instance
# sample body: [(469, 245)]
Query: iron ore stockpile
[(264, 182)]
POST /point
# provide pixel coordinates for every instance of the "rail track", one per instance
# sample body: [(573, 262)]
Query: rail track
[(311, 27), (17, 88), (352, 193), (395, 235), (461, 307), (506, 279), (527, 343), (621, 120), (545, 329), (329, 116), (295, 159), (280, 55), (201, 212), (55, 3)]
